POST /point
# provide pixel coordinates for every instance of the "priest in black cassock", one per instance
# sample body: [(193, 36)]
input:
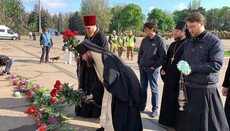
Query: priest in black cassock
[(226, 92), (171, 76), (88, 80), (203, 52), (122, 94)]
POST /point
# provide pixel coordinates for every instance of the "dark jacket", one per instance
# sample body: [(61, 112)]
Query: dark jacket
[(205, 57), (152, 52), (226, 78)]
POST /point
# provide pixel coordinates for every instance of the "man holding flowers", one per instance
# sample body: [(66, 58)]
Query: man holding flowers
[(88, 80)]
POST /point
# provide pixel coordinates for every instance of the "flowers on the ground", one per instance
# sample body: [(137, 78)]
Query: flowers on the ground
[(47, 105), (71, 40)]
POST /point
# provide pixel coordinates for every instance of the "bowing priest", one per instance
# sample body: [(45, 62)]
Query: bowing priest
[(87, 77), (171, 76), (122, 94)]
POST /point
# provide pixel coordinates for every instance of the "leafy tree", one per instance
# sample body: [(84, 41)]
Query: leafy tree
[(60, 23), (115, 23), (164, 21), (182, 15), (194, 5), (32, 27), (212, 18), (101, 9), (55, 21), (223, 19), (76, 23), (131, 18), (226, 21), (66, 20), (46, 19)]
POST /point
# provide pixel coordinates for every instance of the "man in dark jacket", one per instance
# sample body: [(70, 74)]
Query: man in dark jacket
[(151, 56), (122, 94), (204, 54)]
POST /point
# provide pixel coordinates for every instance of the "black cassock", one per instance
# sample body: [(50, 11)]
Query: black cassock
[(121, 81), (227, 84), (89, 81), (169, 103)]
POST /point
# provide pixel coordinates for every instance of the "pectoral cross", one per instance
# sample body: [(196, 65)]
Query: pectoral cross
[(172, 59)]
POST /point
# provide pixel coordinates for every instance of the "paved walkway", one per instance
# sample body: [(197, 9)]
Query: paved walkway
[(26, 54)]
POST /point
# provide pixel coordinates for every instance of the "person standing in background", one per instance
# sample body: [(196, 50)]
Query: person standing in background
[(151, 56), (120, 44), (113, 41), (130, 41), (46, 43)]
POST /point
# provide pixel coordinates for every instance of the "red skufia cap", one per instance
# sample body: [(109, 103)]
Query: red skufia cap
[(89, 20)]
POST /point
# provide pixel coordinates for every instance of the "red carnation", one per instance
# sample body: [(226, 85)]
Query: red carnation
[(32, 111), (68, 31), (57, 87), (42, 128), (53, 94), (15, 83), (72, 35), (53, 100), (75, 32), (29, 95), (58, 82), (64, 37)]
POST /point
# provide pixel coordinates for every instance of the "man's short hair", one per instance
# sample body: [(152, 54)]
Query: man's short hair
[(195, 17), (4, 60), (151, 24)]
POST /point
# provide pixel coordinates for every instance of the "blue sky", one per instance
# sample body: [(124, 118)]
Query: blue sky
[(55, 6)]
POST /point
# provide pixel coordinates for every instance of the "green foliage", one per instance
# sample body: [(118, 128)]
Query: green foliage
[(136, 49), (115, 21), (76, 23), (212, 18), (55, 21), (60, 23), (71, 96), (131, 18), (164, 21), (46, 19), (32, 27), (193, 5), (101, 9), (227, 53)]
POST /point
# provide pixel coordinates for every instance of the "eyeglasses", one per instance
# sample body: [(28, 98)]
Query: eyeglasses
[(87, 28), (193, 26)]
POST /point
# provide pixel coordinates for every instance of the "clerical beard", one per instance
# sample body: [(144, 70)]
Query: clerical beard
[(177, 38), (89, 61)]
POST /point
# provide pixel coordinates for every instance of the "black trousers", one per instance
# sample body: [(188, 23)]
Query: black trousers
[(45, 51)]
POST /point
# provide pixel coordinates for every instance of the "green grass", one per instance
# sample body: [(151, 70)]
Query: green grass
[(226, 53)]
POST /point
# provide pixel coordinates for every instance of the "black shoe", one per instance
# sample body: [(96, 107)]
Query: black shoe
[(8, 73), (100, 129)]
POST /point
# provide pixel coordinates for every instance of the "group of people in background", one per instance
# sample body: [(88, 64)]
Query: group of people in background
[(118, 42), (117, 96)]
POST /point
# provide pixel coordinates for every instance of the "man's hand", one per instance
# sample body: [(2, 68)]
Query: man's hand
[(89, 97), (77, 58), (224, 91), (163, 72)]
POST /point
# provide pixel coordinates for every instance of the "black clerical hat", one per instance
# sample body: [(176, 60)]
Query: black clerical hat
[(181, 25), (81, 49)]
